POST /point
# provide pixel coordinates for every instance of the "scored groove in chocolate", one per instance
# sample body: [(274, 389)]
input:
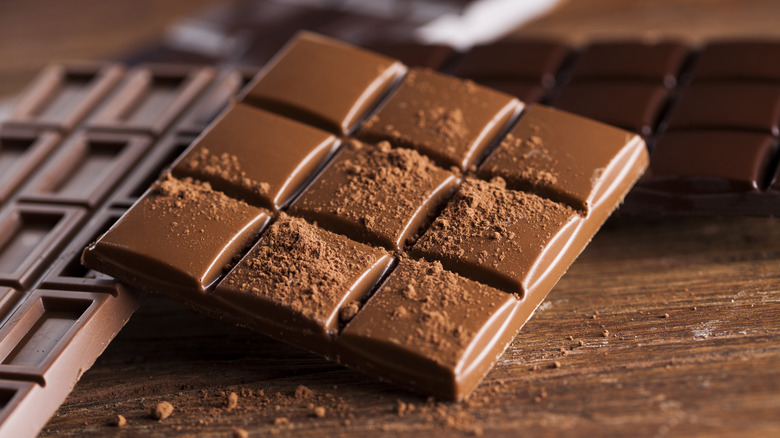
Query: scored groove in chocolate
[(21, 151), (150, 99), (62, 95), (85, 169), (452, 121)]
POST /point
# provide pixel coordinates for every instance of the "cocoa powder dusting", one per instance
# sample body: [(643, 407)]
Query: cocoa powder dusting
[(533, 165), (225, 167), (378, 187), (432, 311), (198, 197), (301, 266), (484, 212)]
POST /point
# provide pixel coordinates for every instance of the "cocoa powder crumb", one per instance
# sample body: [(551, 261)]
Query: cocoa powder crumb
[(349, 311), (162, 410), (605, 333), (120, 421), (232, 401), (319, 412), (240, 433), (281, 421), (302, 392)]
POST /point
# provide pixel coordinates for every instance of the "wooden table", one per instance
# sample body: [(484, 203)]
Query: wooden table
[(663, 326)]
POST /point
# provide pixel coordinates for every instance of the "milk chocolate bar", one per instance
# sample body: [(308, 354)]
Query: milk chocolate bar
[(83, 142), (396, 220)]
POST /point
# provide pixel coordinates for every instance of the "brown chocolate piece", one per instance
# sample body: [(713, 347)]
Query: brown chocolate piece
[(227, 156), (633, 106), (559, 155), (62, 95), (30, 236), (49, 341), (432, 56), (526, 91), (150, 98), (728, 105), (497, 236), (735, 162), (190, 234), (450, 120), (537, 60), (21, 151), (659, 62), (85, 169), (376, 194), (298, 277), (430, 328), (739, 60), (347, 84)]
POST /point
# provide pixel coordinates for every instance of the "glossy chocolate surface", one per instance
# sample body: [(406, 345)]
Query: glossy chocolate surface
[(537, 60), (737, 161), (226, 156), (63, 95), (658, 62), (739, 60), (348, 82), (557, 154), (632, 106), (429, 324), (721, 105), (450, 120), (179, 219), (150, 98)]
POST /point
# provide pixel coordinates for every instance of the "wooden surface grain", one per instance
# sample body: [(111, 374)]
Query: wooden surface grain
[(662, 327)]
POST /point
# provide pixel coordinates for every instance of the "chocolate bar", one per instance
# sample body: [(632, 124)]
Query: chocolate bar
[(710, 117), (83, 142), (396, 220)]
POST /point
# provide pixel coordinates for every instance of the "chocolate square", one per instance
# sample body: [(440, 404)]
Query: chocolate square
[(376, 194), (728, 105), (323, 82), (226, 156), (503, 238), (633, 106), (659, 61), (191, 233), (428, 325), (559, 155), (711, 161), (450, 120), (298, 277)]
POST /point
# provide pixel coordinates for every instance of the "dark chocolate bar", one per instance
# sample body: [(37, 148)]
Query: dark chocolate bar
[(711, 117), (415, 254), (82, 144)]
